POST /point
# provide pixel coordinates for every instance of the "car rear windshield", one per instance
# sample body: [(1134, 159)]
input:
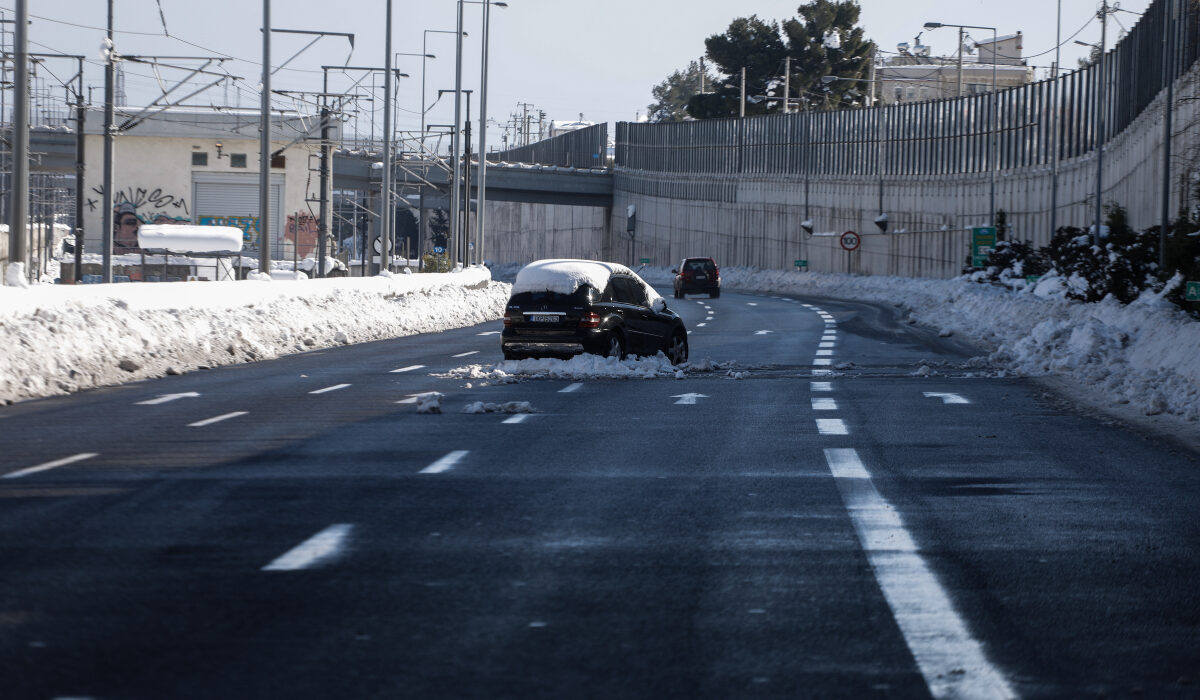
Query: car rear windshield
[(700, 265), (582, 296)]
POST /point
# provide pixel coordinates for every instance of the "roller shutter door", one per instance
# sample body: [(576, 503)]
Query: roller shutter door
[(233, 201)]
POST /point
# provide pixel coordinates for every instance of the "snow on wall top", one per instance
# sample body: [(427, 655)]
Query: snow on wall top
[(189, 238)]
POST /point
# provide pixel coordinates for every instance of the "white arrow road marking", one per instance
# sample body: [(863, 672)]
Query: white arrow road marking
[(324, 545), (688, 399), (407, 369), (762, 332), (570, 388), (328, 389), (832, 426), (466, 354), (824, 404), (167, 398), (217, 419), (519, 418), (50, 465), (952, 662), (445, 463), (946, 398)]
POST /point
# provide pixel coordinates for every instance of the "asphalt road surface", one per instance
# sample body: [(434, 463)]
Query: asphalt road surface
[(850, 506)]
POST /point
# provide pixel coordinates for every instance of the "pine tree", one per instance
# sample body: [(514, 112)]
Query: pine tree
[(825, 40), (672, 95), (748, 43)]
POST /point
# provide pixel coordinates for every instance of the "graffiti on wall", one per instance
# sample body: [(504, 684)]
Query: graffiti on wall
[(302, 232), (133, 207)]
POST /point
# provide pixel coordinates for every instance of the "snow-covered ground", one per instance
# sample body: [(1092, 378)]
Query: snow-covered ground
[(1138, 361)]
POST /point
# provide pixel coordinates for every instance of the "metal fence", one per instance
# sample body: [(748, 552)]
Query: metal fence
[(583, 148), (1012, 128)]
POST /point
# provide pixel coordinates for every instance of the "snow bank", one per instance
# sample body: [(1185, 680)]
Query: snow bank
[(187, 238), (63, 338)]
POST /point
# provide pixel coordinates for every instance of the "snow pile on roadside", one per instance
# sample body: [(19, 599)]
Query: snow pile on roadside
[(63, 338), (1141, 354)]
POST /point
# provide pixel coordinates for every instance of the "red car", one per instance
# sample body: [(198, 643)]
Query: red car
[(697, 276)]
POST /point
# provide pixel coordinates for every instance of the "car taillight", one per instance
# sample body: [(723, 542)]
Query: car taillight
[(508, 320), (590, 319), (687, 274)]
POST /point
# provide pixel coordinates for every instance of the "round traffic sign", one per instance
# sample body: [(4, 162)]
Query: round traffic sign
[(850, 240)]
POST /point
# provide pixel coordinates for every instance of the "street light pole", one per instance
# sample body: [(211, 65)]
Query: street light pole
[(480, 215), (108, 199), (385, 217), (18, 209), (1100, 122), (455, 143), (1057, 125), (992, 145)]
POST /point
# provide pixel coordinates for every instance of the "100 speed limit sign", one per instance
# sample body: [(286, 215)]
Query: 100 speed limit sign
[(850, 240)]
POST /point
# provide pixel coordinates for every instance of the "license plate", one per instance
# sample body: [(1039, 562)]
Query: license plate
[(542, 318), (701, 276)]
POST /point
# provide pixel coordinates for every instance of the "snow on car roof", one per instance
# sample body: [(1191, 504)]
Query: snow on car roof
[(565, 276)]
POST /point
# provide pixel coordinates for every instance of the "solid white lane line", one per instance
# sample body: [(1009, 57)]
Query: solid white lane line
[(216, 419), (50, 465), (519, 418), (445, 463), (324, 545), (824, 404), (832, 426), (827, 344), (328, 389), (952, 661), (466, 354), (407, 369), (570, 388), (822, 386), (824, 353), (822, 362)]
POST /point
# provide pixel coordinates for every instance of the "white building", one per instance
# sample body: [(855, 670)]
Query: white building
[(202, 167), (915, 76)]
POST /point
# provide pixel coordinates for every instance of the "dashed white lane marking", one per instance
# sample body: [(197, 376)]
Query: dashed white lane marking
[(570, 388), (328, 389), (216, 419), (824, 353), (489, 333), (832, 426), (701, 325), (827, 344), (50, 465), (824, 404), (167, 398), (324, 545), (821, 386), (946, 398), (466, 354), (822, 361), (410, 368), (519, 418), (763, 332), (823, 373), (952, 662), (751, 303), (445, 463), (829, 337)]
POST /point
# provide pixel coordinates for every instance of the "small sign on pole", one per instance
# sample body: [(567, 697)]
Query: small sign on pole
[(645, 261), (1193, 291), (802, 265), (983, 242)]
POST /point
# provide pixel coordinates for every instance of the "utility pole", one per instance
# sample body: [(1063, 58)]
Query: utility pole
[(108, 200), (1168, 69), (742, 105), (80, 168), (958, 93), (385, 218), (19, 209), (264, 149), (455, 139), (787, 82), (326, 182), (1054, 138), (1100, 122)]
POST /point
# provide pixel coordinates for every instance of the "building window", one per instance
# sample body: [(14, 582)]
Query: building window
[(911, 94), (199, 158), (278, 161), (237, 160), (924, 93), (899, 94)]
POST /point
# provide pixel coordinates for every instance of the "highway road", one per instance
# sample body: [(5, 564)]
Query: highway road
[(851, 506)]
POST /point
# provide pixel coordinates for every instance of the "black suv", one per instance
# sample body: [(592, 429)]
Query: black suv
[(697, 276), (560, 308)]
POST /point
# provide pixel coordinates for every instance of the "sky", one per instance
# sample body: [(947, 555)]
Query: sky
[(566, 58)]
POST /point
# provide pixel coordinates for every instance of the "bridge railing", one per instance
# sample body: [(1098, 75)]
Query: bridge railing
[(583, 148), (943, 137)]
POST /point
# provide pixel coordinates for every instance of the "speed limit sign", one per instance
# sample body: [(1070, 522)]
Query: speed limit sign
[(850, 240)]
